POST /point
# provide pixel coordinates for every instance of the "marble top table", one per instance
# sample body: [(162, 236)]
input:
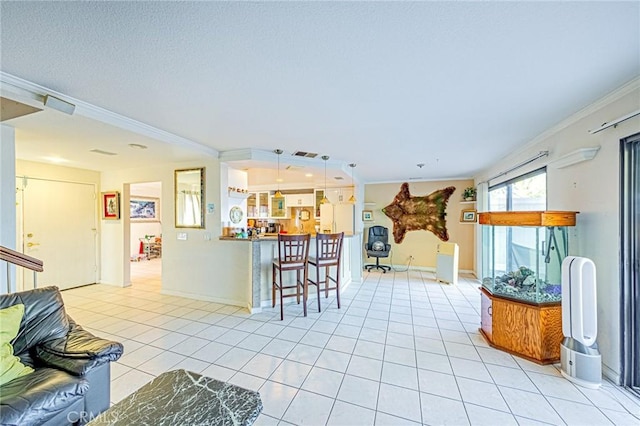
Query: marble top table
[(181, 397)]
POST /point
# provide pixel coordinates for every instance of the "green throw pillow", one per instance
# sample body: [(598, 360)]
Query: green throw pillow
[(10, 365)]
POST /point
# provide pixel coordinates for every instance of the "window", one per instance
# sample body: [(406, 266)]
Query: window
[(526, 192)]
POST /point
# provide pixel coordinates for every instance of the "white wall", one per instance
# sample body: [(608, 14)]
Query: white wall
[(593, 189), (7, 202), (208, 269)]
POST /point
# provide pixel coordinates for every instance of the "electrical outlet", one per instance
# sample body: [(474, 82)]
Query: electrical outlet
[(411, 257)]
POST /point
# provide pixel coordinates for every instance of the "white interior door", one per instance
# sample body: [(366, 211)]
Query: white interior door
[(59, 228)]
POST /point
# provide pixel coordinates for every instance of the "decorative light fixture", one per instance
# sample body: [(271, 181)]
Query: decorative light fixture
[(278, 194), (325, 200), (575, 157), (352, 199)]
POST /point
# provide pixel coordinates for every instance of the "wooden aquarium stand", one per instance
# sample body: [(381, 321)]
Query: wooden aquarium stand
[(531, 331)]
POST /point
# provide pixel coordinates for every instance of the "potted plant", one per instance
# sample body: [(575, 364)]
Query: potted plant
[(469, 194)]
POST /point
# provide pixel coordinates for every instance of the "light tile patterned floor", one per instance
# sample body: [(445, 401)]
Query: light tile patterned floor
[(402, 350)]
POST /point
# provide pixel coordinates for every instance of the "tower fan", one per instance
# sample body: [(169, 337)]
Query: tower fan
[(579, 356)]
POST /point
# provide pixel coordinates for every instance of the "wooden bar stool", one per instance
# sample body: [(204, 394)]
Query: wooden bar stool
[(293, 255), (328, 254)]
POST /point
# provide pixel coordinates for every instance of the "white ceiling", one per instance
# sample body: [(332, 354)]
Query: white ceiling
[(386, 85)]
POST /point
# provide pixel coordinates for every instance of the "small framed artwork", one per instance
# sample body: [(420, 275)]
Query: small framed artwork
[(468, 216), (111, 205), (367, 215), (144, 209)]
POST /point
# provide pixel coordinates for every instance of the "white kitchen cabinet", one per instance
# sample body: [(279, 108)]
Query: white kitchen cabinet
[(258, 205), (318, 195), (299, 200), (278, 207)]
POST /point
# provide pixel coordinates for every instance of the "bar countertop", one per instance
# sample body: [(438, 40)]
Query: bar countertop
[(265, 237)]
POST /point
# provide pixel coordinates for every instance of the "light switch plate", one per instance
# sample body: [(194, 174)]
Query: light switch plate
[(182, 236)]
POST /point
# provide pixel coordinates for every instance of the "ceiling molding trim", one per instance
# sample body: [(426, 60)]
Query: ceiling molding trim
[(411, 181), (36, 93), (618, 93)]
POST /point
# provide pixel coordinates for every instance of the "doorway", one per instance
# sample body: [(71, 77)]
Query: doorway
[(630, 261), (145, 234), (57, 224)]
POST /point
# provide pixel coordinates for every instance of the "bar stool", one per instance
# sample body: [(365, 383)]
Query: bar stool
[(293, 255), (328, 254)]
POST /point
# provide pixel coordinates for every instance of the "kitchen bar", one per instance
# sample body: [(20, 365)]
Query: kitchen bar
[(264, 249)]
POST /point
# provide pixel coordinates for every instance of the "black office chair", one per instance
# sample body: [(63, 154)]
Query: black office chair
[(378, 246)]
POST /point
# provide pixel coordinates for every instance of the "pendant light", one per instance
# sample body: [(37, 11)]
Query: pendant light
[(278, 194), (352, 199), (325, 200)]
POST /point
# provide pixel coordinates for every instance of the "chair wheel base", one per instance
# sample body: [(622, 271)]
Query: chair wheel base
[(384, 268)]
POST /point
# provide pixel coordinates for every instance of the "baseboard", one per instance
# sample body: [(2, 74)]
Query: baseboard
[(424, 269), (254, 310), (610, 374), (115, 285), (195, 296)]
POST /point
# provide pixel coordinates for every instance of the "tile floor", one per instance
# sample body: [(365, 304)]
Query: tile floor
[(402, 350)]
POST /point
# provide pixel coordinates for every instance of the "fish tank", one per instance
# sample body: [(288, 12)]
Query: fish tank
[(522, 254)]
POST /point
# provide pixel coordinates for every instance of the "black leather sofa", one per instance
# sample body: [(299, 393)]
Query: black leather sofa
[(71, 381)]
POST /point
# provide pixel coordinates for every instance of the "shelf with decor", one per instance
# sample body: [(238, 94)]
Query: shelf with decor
[(237, 193)]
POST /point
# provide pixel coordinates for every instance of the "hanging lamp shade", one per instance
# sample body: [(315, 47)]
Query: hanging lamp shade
[(278, 194), (352, 199), (325, 200)]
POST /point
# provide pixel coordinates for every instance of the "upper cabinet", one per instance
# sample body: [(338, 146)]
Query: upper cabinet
[(278, 208), (318, 195), (299, 200), (258, 205)]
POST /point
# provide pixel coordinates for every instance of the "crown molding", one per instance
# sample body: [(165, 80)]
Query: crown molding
[(35, 93)]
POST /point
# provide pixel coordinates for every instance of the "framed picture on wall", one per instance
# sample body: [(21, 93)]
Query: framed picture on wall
[(144, 209), (111, 205), (367, 215), (468, 216)]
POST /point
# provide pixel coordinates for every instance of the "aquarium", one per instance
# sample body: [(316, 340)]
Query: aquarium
[(522, 254)]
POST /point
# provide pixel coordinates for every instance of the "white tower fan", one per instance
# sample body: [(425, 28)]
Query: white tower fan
[(579, 356)]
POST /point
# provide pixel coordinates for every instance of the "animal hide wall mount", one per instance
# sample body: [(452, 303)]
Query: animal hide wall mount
[(415, 213)]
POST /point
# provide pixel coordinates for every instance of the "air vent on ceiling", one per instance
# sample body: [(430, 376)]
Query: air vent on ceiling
[(293, 167), (99, 151), (305, 154), (338, 178)]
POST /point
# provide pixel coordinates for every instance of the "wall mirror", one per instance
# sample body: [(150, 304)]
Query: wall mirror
[(189, 198)]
